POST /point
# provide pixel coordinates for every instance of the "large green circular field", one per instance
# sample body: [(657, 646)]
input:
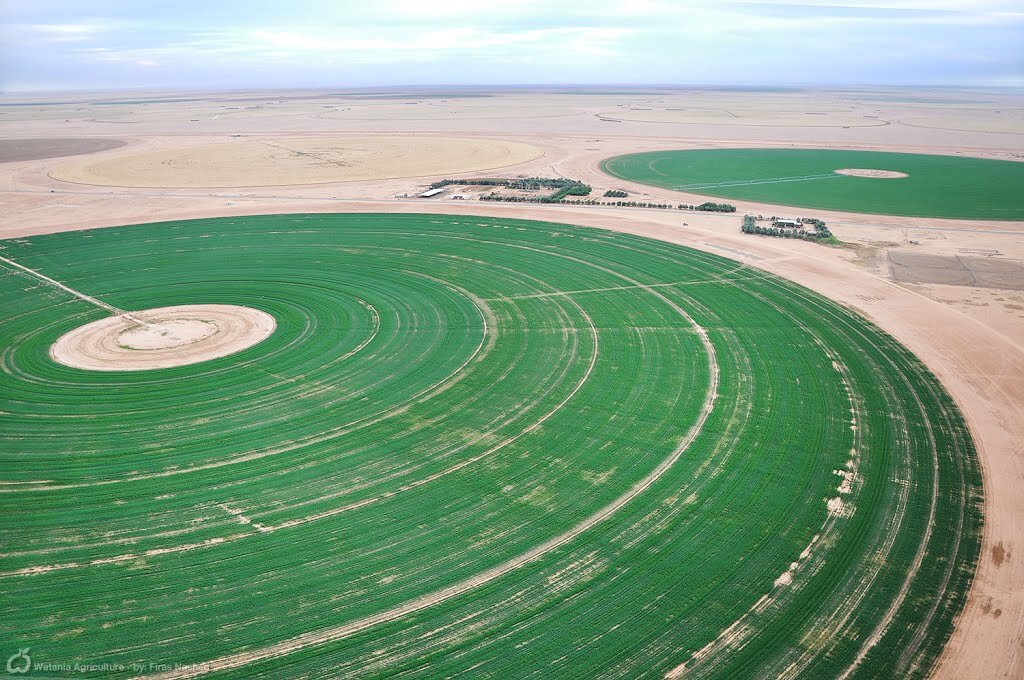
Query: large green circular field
[(934, 186), (471, 445)]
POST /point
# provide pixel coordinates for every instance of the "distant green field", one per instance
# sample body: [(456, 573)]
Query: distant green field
[(478, 446), (937, 186)]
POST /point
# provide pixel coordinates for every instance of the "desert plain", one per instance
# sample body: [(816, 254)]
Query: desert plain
[(952, 291)]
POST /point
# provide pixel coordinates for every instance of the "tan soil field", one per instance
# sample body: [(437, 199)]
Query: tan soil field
[(12, 150), (315, 160), (951, 290), (168, 336), (1010, 122), (752, 117), (962, 270)]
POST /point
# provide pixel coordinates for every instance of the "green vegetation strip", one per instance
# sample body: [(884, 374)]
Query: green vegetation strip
[(936, 186), (473, 445)]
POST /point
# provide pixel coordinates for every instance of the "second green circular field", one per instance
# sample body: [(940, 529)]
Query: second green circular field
[(856, 181)]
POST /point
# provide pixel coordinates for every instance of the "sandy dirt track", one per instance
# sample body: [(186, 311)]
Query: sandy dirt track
[(170, 336), (972, 338), (316, 160)]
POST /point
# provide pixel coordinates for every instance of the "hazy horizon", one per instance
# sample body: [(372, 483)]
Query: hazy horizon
[(112, 44)]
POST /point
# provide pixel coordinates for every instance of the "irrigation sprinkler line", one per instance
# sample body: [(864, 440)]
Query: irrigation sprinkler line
[(751, 182), (78, 294)]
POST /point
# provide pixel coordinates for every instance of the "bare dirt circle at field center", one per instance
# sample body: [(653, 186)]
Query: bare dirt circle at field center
[(162, 337), (874, 174), (283, 161)]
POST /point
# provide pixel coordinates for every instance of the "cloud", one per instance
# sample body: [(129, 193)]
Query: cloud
[(49, 33), (704, 41), (441, 42)]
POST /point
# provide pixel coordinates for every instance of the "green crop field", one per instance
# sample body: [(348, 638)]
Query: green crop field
[(936, 186), (480, 446)]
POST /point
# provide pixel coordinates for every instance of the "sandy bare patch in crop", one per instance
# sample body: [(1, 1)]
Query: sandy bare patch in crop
[(304, 160), (876, 174), (162, 337)]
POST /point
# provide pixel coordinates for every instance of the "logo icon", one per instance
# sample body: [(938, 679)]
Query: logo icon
[(20, 662)]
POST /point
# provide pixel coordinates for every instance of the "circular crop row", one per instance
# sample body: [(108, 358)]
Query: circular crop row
[(920, 185), (472, 445)]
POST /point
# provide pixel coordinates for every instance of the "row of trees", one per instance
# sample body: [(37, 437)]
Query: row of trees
[(523, 183), (703, 207), (561, 197), (535, 183), (615, 193), (642, 204), (470, 182)]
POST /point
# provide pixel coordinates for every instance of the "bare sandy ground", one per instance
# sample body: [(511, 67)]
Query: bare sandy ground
[(166, 337), (741, 117), (971, 337), (1009, 121), (314, 160), (876, 174)]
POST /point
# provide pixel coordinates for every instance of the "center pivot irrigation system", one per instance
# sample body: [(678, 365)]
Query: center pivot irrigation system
[(473, 445)]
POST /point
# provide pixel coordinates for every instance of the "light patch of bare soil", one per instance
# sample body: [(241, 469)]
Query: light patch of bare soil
[(874, 174), (293, 161), (162, 337), (167, 335), (956, 270)]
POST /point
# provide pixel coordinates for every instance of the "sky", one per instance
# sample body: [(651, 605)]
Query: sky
[(237, 44)]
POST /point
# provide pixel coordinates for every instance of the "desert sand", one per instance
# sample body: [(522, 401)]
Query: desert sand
[(968, 328), (316, 160)]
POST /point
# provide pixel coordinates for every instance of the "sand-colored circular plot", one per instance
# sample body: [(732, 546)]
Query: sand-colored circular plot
[(308, 160), (876, 174), (162, 337)]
